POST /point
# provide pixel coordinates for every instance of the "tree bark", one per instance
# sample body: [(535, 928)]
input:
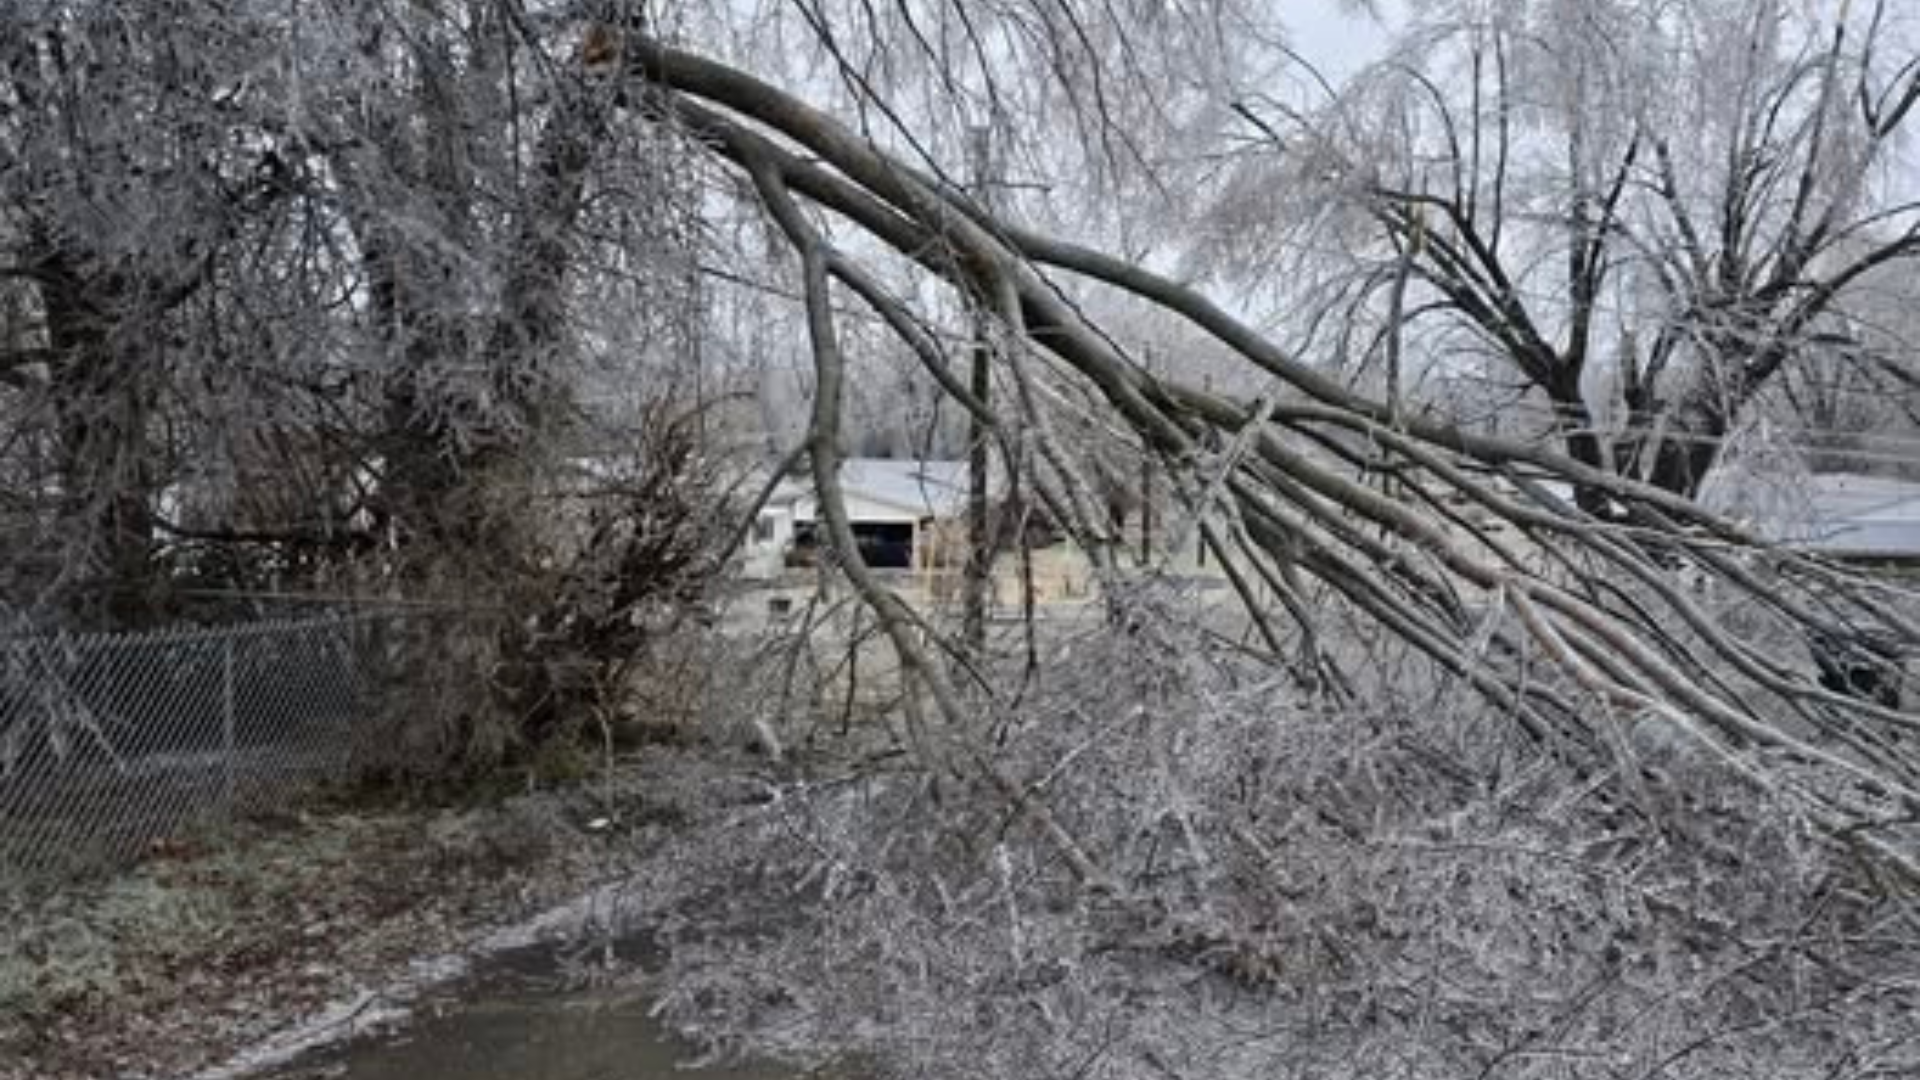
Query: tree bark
[(102, 397)]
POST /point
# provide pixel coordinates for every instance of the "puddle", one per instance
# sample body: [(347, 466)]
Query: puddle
[(519, 1018)]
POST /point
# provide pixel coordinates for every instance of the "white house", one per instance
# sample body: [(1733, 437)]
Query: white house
[(896, 509)]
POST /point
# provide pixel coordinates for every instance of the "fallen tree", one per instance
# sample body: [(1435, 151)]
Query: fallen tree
[(1507, 786), (1457, 544)]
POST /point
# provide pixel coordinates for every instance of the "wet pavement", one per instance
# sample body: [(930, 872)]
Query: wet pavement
[(520, 1019)]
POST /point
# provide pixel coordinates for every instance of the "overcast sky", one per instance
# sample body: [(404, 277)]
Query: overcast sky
[(1336, 39)]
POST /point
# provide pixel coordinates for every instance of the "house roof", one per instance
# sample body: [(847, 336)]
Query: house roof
[(1848, 514), (910, 489), (932, 488)]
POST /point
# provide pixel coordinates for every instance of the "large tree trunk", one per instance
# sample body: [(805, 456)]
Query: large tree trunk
[(1583, 442), (442, 453), (102, 396), (1675, 448), (1680, 464)]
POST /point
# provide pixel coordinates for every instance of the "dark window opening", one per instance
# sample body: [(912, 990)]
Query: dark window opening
[(885, 545)]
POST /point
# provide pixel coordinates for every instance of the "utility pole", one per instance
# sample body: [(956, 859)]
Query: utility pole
[(978, 574)]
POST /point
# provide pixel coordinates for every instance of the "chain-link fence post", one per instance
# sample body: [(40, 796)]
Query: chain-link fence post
[(228, 751)]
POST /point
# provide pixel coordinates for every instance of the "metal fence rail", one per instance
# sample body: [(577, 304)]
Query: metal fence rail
[(109, 743)]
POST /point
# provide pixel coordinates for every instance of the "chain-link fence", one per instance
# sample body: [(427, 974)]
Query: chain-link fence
[(112, 744)]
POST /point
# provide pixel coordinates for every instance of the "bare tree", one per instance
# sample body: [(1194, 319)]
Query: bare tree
[(1642, 213)]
